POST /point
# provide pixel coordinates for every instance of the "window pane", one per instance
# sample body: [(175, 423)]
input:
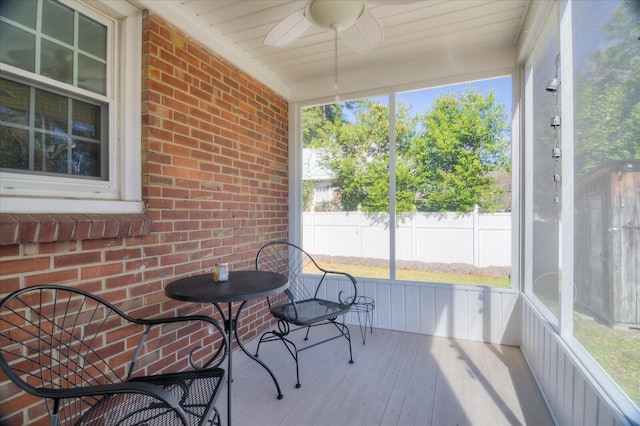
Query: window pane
[(87, 152), (86, 120), (92, 37), (453, 184), (56, 62), (52, 112), (14, 123), (54, 154), (14, 148), (20, 11), (92, 75), (14, 103), (57, 21), (606, 61), (18, 47), (86, 159), (346, 186), (545, 211)]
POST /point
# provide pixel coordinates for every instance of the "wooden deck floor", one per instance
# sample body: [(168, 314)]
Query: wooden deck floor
[(397, 379)]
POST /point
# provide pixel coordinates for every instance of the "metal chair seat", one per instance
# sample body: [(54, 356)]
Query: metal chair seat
[(195, 392), (309, 311)]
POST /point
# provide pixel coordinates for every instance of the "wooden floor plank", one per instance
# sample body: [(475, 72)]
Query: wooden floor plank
[(399, 387), (385, 382), (357, 393), (448, 408), (397, 379), (417, 407)]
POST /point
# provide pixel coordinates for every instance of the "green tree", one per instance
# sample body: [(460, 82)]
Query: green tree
[(607, 122), (449, 159), (456, 158), (358, 154), (319, 124)]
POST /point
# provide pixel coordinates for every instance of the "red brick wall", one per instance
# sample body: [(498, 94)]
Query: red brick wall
[(215, 183)]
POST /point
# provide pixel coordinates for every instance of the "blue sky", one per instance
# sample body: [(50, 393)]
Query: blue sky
[(421, 100)]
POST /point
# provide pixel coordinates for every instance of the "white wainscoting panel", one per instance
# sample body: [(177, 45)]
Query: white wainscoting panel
[(571, 395), (463, 312)]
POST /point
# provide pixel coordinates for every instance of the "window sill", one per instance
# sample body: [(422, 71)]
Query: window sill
[(23, 228)]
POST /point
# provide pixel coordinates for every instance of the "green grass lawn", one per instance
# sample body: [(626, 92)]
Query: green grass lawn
[(616, 350), (369, 271)]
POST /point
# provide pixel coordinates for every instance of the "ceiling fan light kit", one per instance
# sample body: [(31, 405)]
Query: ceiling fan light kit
[(334, 14), (356, 25)]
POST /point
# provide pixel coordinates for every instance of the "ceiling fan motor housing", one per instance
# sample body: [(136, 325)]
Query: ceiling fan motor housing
[(334, 14)]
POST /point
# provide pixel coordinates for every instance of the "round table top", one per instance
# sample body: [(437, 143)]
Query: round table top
[(241, 285)]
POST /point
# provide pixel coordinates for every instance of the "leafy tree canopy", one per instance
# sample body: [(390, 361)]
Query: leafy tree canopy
[(456, 158), (446, 159), (608, 94)]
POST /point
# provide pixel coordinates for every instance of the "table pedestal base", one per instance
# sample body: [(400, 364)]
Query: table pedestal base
[(231, 327)]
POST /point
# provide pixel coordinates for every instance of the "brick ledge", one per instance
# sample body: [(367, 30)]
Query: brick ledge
[(22, 228)]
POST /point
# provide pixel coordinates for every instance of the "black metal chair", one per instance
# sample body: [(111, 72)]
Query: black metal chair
[(67, 346), (305, 304)]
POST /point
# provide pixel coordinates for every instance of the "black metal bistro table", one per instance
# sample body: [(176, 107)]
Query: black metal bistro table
[(241, 286)]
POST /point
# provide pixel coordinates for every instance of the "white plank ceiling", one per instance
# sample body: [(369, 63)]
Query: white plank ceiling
[(413, 31)]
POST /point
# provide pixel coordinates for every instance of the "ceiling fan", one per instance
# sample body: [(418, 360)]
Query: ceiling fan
[(358, 28)]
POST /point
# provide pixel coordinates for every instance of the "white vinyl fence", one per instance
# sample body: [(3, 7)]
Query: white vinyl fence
[(476, 239)]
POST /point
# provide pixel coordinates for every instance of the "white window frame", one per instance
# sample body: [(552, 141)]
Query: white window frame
[(122, 192)]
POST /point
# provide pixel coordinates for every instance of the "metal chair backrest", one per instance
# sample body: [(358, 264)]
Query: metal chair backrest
[(57, 342), (292, 261), (59, 330)]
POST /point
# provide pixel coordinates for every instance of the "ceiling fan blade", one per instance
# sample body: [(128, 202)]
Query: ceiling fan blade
[(288, 30), (365, 34)]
